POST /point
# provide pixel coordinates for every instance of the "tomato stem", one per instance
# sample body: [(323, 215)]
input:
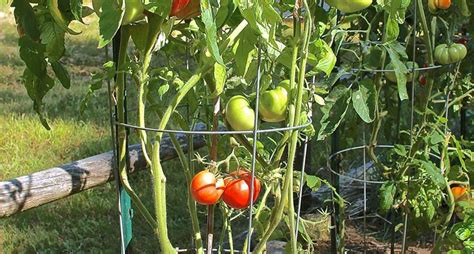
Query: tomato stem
[(122, 133)]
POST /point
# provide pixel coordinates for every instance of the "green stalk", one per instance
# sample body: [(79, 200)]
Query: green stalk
[(191, 203), (122, 133), (156, 167), (287, 195), (429, 48), (378, 83), (154, 29)]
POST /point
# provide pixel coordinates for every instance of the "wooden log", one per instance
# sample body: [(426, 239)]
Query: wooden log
[(26, 192)]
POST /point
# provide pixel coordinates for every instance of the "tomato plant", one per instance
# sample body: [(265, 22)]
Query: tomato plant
[(237, 189), (206, 189)]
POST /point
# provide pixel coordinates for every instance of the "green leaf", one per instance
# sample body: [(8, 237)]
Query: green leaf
[(37, 87), (392, 30), (363, 100), (463, 233), (400, 71), (32, 53), (262, 18), (226, 9), (220, 78), (139, 35), (313, 182), (434, 173), (321, 57), (387, 194), (337, 103), (76, 9), (400, 150), (158, 7), (244, 51), (110, 20), (26, 18), (62, 74), (211, 31)]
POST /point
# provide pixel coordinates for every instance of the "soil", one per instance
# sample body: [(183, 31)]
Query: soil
[(354, 242)]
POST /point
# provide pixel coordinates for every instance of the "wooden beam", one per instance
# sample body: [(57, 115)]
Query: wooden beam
[(26, 192)]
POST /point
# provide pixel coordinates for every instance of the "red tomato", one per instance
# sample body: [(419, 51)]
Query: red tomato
[(422, 80), (191, 10), (237, 189), (177, 6), (206, 189)]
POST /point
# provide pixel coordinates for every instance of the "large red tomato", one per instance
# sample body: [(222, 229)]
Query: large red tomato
[(206, 189), (237, 189)]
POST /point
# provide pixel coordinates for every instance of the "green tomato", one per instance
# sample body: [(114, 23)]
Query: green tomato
[(391, 76), (239, 114), (133, 10), (349, 6), (445, 54), (273, 105)]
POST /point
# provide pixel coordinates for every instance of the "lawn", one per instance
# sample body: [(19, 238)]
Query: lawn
[(86, 222)]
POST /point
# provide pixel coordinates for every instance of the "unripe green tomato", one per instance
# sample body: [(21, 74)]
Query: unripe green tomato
[(349, 6), (391, 76), (239, 114), (445, 54), (273, 105), (133, 10)]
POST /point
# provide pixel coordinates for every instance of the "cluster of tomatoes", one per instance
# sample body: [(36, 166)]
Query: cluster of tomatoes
[(234, 189), (273, 106)]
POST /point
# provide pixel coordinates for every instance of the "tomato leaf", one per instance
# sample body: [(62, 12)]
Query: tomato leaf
[(313, 182), (363, 100), (76, 9), (244, 51), (211, 31), (62, 74), (321, 57), (220, 78), (159, 7), (387, 194), (263, 19), (110, 20), (400, 71), (392, 30), (434, 173), (37, 87), (32, 53), (26, 18), (337, 103)]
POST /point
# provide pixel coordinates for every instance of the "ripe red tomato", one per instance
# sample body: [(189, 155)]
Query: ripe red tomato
[(237, 189), (422, 80), (191, 10), (206, 189), (177, 6)]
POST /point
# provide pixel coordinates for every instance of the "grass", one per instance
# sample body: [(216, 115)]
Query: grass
[(85, 222)]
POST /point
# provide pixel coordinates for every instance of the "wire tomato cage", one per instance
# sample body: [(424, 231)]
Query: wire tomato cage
[(124, 201)]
